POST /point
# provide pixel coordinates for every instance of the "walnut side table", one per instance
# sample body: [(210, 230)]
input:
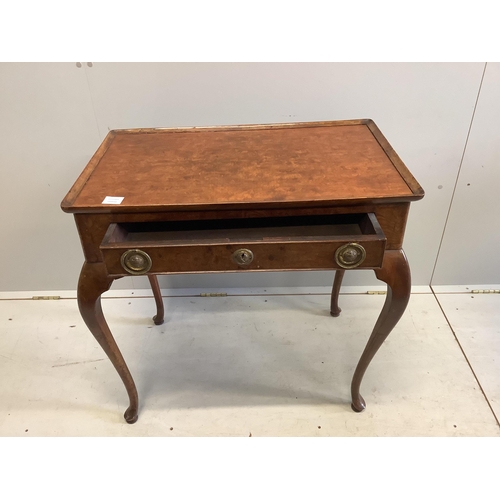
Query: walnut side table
[(296, 196)]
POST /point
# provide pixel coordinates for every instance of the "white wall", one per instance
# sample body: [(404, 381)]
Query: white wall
[(53, 117), (47, 132), (470, 252)]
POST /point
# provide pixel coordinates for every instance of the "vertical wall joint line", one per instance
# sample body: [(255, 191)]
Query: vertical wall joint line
[(92, 100), (458, 173)]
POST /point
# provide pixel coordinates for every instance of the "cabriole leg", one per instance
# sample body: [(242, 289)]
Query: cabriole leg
[(337, 283), (396, 273), (94, 282), (158, 318)]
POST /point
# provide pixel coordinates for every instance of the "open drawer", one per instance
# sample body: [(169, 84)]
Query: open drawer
[(261, 244)]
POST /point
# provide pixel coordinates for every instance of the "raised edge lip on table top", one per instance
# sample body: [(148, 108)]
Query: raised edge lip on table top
[(67, 204)]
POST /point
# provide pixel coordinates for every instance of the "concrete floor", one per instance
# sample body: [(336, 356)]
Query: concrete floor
[(253, 364)]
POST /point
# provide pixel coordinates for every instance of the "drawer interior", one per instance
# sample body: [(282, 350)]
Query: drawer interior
[(272, 229)]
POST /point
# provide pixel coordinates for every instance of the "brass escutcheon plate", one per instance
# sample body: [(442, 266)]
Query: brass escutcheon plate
[(136, 261), (242, 257), (350, 255)]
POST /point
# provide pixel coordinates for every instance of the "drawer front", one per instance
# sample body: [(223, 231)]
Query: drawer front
[(128, 251), (266, 257)]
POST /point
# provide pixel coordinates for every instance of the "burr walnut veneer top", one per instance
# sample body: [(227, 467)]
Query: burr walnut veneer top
[(300, 164)]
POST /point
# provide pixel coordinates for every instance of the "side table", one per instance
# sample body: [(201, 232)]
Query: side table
[(284, 197)]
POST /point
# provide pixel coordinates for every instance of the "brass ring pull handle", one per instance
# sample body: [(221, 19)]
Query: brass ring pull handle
[(242, 257), (136, 262), (350, 255)]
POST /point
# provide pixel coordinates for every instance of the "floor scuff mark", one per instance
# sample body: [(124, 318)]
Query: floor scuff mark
[(79, 362)]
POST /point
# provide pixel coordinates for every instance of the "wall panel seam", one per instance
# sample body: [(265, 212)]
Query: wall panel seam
[(458, 174)]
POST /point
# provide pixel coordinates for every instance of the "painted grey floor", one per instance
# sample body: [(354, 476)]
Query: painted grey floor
[(260, 365)]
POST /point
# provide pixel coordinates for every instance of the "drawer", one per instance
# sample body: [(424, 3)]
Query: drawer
[(262, 244)]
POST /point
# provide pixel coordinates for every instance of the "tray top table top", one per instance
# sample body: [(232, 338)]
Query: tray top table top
[(262, 166)]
